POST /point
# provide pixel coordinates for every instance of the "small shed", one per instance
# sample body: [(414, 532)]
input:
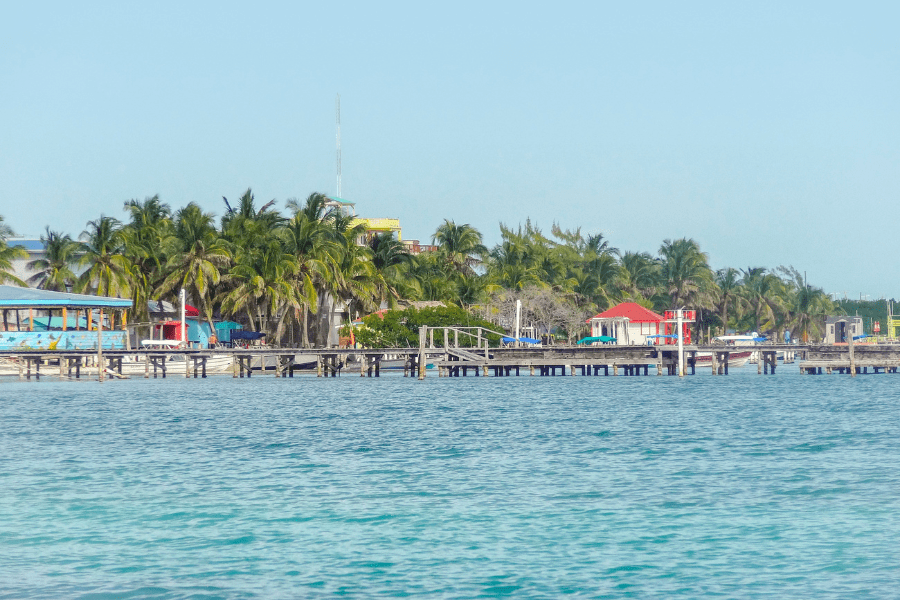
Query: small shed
[(629, 323), (839, 329)]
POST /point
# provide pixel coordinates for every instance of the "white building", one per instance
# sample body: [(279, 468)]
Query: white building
[(630, 323)]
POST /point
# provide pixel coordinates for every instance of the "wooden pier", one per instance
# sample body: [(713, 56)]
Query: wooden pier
[(453, 352)]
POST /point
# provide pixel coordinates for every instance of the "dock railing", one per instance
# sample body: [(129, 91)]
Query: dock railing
[(477, 334)]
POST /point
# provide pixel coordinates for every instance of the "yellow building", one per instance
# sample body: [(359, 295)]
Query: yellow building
[(373, 226), (378, 226)]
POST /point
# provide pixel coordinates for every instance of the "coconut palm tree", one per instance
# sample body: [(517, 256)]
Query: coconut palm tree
[(148, 240), (389, 256), (638, 276), (760, 287), (54, 270), (460, 246), (197, 260), (261, 288), (9, 254), (108, 271), (685, 272), (308, 239), (728, 294)]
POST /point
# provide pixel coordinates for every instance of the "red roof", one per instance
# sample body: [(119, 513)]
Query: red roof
[(632, 311)]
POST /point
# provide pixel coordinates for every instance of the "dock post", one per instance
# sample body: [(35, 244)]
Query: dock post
[(99, 347), (363, 360), (852, 357), (484, 369), (760, 358), (187, 367), (234, 366), (531, 368), (318, 365), (377, 366), (146, 366), (423, 332), (615, 369), (572, 370)]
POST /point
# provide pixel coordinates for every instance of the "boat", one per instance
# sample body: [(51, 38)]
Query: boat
[(135, 364), (737, 357)]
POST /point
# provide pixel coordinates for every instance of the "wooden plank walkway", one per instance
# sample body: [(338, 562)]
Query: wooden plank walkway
[(450, 359)]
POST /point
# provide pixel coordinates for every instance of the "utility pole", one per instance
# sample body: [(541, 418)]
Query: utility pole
[(337, 111)]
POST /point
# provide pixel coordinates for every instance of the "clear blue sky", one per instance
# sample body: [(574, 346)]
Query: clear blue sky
[(767, 131)]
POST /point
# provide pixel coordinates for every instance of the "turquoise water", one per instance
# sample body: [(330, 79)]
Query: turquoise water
[(741, 486)]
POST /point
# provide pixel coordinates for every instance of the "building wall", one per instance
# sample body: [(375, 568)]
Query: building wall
[(853, 325), (61, 340), (635, 333)]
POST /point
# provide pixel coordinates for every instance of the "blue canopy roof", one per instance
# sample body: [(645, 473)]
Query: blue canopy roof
[(18, 297), (527, 340)]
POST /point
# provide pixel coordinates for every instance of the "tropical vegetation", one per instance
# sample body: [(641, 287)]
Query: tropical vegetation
[(286, 273)]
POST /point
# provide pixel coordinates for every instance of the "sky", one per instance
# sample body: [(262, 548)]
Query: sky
[(766, 131)]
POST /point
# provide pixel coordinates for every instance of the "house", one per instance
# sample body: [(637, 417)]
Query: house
[(630, 323), (839, 329)]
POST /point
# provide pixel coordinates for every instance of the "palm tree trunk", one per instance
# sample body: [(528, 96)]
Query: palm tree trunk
[(304, 326)]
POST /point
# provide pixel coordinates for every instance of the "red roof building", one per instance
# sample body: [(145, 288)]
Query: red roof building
[(629, 323), (632, 311)]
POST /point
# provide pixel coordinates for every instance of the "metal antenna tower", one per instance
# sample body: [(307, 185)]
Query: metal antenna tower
[(337, 110)]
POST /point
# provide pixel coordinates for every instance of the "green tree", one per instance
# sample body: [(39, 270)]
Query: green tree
[(8, 254), (460, 246), (728, 294), (197, 260), (685, 273), (54, 270), (108, 271)]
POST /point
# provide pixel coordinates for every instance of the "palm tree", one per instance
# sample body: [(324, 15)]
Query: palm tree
[(760, 287), (308, 239), (728, 293), (148, 241), (460, 246), (261, 281), (685, 272), (54, 270), (108, 270), (389, 255), (638, 276), (198, 259), (9, 254)]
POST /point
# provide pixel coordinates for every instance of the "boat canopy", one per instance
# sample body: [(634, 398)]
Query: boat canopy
[(603, 339), (527, 340), (239, 334)]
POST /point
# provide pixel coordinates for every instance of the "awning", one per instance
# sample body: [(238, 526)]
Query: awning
[(16, 297)]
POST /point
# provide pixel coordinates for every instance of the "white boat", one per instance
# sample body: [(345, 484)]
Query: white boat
[(742, 353), (736, 358)]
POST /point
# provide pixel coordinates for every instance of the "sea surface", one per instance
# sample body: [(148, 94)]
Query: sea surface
[(743, 486)]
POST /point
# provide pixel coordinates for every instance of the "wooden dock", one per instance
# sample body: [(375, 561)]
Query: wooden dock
[(453, 352)]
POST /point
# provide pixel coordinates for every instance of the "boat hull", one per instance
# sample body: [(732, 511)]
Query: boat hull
[(735, 359)]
